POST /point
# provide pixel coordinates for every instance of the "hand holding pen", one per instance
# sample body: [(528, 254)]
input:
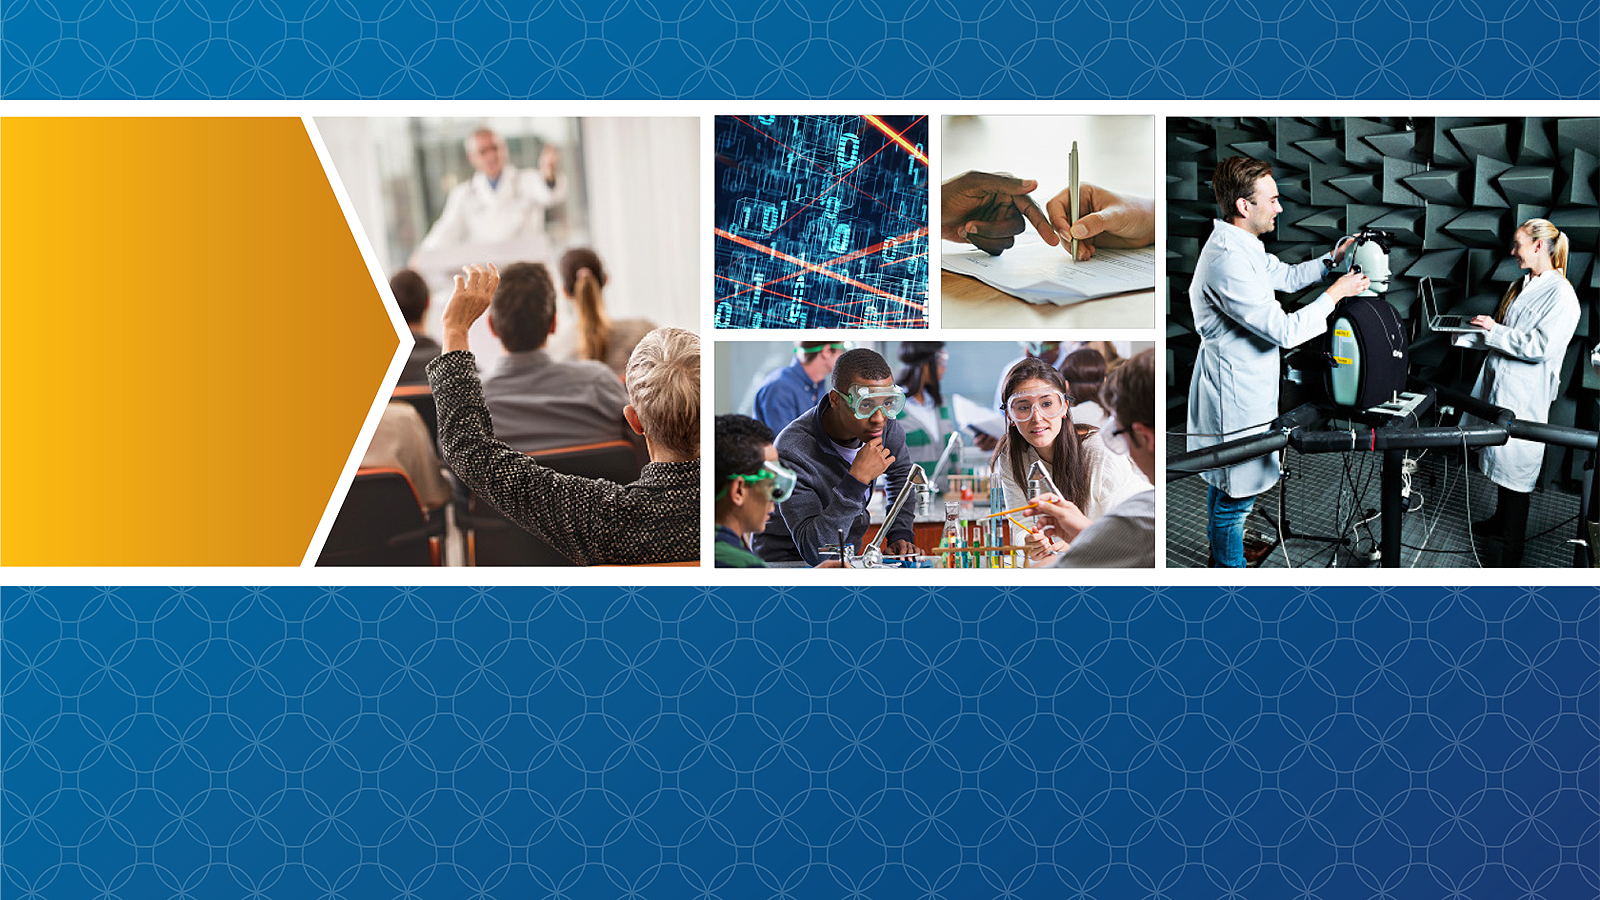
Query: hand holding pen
[(1105, 218)]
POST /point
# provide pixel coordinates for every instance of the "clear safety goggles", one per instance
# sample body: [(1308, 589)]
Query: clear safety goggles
[(1050, 404), (1036, 348), (866, 401), (782, 479)]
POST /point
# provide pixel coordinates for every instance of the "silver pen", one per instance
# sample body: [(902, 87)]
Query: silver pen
[(1072, 191)]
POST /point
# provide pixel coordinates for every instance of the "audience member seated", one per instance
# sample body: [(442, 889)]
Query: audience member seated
[(591, 521), (402, 442), (538, 403), (597, 336), (411, 292)]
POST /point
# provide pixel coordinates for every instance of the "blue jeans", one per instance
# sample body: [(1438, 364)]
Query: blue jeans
[(1225, 527)]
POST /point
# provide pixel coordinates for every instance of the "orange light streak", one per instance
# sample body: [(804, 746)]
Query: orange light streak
[(824, 191), (835, 261), (814, 163), (750, 287), (890, 132), (813, 267), (876, 247), (753, 287)]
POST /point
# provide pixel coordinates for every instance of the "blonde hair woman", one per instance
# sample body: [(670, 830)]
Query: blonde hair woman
[(1527, 340)]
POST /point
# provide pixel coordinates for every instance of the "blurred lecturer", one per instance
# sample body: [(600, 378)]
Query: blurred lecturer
[(499, 214)]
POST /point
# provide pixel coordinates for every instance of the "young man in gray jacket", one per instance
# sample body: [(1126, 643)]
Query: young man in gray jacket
[(837, 450)]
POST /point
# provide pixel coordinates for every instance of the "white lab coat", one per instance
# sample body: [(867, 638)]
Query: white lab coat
[(1523, 371), (1594, 359), (493, 224), (1089, 413), (1234, 390), (925, 433)]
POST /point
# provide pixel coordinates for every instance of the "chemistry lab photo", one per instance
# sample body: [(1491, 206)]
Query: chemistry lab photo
[(1383, 342), (829, 451)]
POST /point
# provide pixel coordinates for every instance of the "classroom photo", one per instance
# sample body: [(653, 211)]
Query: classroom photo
[(549, 413)]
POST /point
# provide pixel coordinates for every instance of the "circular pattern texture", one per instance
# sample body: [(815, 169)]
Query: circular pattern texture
[(789, 49), (680, 742)]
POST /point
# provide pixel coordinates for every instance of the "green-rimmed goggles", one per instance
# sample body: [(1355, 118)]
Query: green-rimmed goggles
[(782, 479), (840, 346), (865, 401)]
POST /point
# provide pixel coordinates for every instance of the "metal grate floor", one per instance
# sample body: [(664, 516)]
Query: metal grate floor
[(1436, 532)]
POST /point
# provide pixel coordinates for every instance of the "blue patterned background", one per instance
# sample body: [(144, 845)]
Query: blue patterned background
[(798, 49), (684, 742)]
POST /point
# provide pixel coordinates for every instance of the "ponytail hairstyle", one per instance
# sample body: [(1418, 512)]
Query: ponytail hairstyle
[(1069, 465), (582, 277), (1555, 239)]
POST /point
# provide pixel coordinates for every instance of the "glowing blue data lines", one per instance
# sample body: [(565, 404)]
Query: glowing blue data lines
[(821, 222)]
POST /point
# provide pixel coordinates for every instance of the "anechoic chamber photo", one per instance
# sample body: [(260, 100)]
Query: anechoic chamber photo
[(1382, 341)]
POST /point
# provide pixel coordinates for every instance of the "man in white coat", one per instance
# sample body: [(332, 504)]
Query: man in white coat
[(1234, 391), (497, 215)]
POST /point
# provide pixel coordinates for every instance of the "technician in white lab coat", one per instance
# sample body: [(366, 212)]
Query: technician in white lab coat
[(499, 214), (1527, 341), (1234, 391)]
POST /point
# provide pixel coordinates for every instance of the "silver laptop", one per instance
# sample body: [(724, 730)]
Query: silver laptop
[(1436, 322)]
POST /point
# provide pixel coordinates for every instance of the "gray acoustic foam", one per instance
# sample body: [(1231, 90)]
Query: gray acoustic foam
[(1450, 189)]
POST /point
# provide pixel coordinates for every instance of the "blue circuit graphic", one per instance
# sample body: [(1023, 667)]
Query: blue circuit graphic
[(822, 222)]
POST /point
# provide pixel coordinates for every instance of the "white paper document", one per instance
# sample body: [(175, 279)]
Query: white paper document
[(970, 417), (1039, 273)]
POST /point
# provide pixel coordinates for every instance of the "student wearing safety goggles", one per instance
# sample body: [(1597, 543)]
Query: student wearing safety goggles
[(750, 482), (1040, 428), (1125, 537), (791, 391), (837, 450)]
